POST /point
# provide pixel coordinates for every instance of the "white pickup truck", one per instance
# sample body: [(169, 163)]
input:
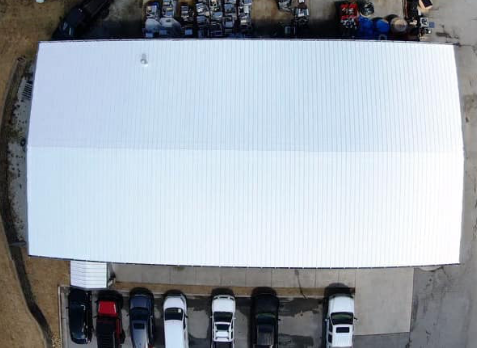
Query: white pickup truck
[(340, 321)]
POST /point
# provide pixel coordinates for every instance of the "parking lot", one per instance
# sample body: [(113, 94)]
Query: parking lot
[(300, 321)]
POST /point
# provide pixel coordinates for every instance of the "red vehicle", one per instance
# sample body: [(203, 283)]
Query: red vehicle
[(109, 328)]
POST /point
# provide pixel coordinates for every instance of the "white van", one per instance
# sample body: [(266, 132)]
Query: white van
[(175, 321)]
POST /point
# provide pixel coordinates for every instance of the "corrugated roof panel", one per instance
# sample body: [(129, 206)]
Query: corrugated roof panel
[(246, 153), (89, 275)]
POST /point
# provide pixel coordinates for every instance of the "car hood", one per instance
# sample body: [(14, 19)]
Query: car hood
[(140, 301), (341, 303), (223, 305), (175, 302), (266, 304)]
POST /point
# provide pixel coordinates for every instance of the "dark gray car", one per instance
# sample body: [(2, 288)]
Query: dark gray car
[(141, 316)]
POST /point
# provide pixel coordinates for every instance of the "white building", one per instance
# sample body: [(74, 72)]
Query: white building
[(246, 153)]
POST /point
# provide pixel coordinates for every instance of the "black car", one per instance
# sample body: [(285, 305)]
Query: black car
[(264, 315), (80, 316), (141, 318), (78, 20)]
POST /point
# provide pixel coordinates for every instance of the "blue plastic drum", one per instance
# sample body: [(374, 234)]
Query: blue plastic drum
[(381, 26), (365, 24), (365, 30)]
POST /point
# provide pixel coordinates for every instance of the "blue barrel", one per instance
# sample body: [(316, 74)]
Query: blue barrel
[(365, 30), (381, 26), (365, 24)]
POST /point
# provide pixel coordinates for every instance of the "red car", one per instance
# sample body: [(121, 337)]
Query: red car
[(109, 328)]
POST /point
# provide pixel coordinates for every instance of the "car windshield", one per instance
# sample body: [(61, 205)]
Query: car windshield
[(77, 307), (342, 329), (223, 317), (265, 318), (139, 326), (139, 314), (173, 314), (222, 345), (342, 318)]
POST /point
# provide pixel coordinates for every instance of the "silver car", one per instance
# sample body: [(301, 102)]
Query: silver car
[(141, 316)]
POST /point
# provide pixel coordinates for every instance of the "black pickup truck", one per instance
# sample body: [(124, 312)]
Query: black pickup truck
[(109, 328), (80, 18)]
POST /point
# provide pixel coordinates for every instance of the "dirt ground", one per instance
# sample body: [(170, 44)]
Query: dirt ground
[(18, 327), (45, 276), (22, 24)]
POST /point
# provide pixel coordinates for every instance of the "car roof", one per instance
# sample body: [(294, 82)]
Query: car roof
[(175, 301), (141, 301), (77, 295), (223, 304), (341, 303)]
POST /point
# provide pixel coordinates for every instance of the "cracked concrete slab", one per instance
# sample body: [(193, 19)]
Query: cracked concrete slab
[(444, 300), (383, 300)]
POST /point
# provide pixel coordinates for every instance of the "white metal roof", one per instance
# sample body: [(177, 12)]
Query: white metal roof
[(89, 275), (246, 153)]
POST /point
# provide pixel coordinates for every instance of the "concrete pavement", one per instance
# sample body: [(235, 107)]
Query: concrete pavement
[(376, 290), (445, 300), (300, 321), (383, 301), (224, 276)]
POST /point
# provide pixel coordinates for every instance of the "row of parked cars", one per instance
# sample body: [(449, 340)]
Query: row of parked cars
[(264, 319)]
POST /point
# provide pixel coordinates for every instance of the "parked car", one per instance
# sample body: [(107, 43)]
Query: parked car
[(340, 321), (223, 321), (141, 318), (175, 321), (169, 8), (80, 18), (151, 24), (109, 328), (264, 318), (80, 316)]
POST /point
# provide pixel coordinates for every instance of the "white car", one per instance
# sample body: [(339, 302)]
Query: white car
[(223, 320), (175, 321), (340, 321)]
